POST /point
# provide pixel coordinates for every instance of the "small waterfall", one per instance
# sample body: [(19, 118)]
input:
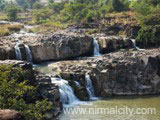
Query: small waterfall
[(77, 84), (96, 48), (89, 87), (18, 52), (28, 53), (134, 44), (66, 93)]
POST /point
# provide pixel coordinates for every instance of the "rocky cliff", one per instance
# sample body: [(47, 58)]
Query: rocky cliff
[(57, 46), (120, 73), (114, 43)]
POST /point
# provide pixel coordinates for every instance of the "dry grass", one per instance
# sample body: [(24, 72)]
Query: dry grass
[(15, 27), (123, 18), (48, 27), (4, 32), (7, 29), (3, 16)]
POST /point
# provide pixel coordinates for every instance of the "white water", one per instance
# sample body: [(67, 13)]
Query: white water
[(18, 52), (89, 87), (28, 53), (77, 84), (134, 45), (96, 48), (66, 93)]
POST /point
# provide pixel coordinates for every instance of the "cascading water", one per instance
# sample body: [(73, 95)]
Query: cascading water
[(28, 53), (89, 87), (66, 93), (96, 51), (77, 84), (18, 52), (134, 44)]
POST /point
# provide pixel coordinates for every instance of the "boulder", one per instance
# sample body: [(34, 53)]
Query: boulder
[(61, 46), (55, 46), (10, 115), (112, 44)]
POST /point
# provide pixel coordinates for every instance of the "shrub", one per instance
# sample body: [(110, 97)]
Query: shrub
[(38, 5), (15, 27), (14, 90), (11, 12), (149, 36), (4, 32)]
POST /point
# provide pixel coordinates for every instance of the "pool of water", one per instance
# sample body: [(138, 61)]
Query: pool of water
[(44, 67), (144, 108)]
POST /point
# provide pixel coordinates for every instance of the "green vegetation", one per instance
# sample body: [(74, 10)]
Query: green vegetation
[(11, 12), (16, 90), (4, 32), (149, 19)]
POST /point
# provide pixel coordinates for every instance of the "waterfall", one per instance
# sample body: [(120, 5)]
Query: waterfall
[(89, 87), (96, 48), (134, 44), (18, 52), (28, 53), (66, 93), (77, 84)]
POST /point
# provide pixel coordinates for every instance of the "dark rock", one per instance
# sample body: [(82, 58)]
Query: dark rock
[(119, 73), (112, 44)]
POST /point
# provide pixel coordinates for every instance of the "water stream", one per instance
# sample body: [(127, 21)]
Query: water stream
[(96, 51), (28, 53), (134, 45), (89, 87), (18, 52), (66, 93)]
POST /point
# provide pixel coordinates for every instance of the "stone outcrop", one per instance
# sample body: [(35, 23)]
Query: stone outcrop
[(61, 46), (10, 115), (56, 46), (113, 43), (120, 73)]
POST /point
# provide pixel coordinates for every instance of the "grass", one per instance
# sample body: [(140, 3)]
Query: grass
[(3, 16), (48, 26), (123, 18), (4, 32), (7, 29), (16, 27)]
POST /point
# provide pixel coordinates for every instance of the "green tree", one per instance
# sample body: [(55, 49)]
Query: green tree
[(38, 5), (31, 2), (2, 4), (15, 88), (41, 15), (11, 12)]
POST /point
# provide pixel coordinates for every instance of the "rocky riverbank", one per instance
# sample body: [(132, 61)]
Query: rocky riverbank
[(120, 73), (57, 46)]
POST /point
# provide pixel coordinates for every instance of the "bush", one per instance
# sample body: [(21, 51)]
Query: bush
[(15, 88), (15, 27), (38, 5), (41, 16), (4, 32), (149, 36), (11, 12)]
